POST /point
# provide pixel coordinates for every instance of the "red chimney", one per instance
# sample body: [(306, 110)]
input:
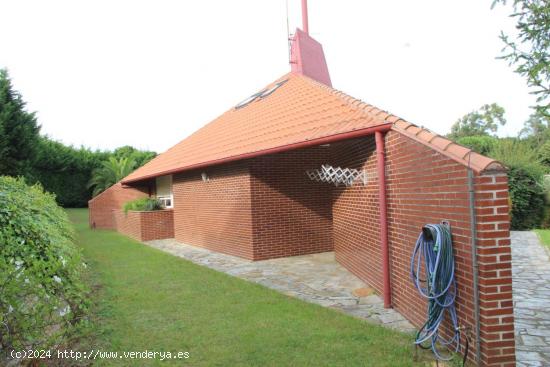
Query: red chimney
[(306, 54)]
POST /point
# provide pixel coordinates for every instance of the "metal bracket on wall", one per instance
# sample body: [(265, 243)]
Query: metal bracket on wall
[(446, 223), (338, 175)]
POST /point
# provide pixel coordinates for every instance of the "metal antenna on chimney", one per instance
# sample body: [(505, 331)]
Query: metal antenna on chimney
[(288, 39), (305, 23)]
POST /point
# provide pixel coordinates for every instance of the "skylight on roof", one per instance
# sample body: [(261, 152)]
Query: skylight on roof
[(260, 95)]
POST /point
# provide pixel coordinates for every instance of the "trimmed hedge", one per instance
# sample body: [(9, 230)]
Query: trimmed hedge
[(43, 299)]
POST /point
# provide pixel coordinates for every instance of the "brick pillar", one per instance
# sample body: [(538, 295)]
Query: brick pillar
[(495, 269)]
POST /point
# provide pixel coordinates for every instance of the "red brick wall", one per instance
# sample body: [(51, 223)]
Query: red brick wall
[(217, 214), (291, 214), (101, 207), (256, 209), (495, 269), (355, 213), (426, 187), (145, 226), (267, 207), (128, 224)]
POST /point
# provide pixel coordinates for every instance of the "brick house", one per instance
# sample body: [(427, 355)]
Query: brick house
[(239, 186)]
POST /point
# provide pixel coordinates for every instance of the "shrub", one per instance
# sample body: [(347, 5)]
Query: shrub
[(517, 153), (42, 295), (142, 204), (525, 180), (483, 144), (544, 153), (527, 197)]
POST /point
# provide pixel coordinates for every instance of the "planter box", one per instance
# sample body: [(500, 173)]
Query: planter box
[(145, 226)]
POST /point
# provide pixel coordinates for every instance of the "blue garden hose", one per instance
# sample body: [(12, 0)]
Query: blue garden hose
[(433, 259)]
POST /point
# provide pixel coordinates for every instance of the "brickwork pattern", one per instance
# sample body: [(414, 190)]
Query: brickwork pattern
[(101, 207), (145, 226), (128, 224), (215, 214), (291, 215), (495, 269), (423, 187)]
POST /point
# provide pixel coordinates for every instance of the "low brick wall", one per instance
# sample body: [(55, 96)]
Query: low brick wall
[(101, 207), (145, 226)]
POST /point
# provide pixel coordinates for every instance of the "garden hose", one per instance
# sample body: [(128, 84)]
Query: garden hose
[(433, 259)]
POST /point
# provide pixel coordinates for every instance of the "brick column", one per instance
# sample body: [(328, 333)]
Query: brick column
[(495, 269)]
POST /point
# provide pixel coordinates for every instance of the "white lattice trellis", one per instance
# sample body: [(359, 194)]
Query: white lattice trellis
[(337, 175)]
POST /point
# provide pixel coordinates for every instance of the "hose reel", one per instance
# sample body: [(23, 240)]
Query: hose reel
[(433, 274)]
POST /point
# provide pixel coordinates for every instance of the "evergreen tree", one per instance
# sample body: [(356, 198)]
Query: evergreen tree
[(18, 131)]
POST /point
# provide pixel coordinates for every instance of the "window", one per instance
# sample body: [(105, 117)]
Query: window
[(262, 94), (164, 191), (165, 201)]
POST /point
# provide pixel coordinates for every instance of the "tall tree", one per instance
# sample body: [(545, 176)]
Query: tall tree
[(18, 131), (529, 50), (110, 172), (484, 121), (139, 156), (536, 129)]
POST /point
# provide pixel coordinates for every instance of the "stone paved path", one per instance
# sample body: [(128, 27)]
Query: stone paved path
[(314, 278), (531, 284)]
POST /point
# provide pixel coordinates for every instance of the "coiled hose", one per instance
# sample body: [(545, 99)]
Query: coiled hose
[(433, 259)]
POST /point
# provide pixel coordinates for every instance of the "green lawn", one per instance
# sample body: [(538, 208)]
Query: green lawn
[(148, 300), (544, 235)]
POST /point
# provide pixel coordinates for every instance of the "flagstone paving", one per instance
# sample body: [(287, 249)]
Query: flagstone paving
[(531, 288), (316, 278)]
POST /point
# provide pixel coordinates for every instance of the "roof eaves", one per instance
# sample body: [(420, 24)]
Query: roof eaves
[(355, 133)]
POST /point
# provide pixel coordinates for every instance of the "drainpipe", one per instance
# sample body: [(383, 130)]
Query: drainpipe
[(475, 267), (381, 167)]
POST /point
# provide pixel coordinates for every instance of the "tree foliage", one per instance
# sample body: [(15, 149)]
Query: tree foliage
[(42, 296), (529, 51), (482, 144), (536, 130), (140, 157), (18, 130), (110, 172), (484, 121)]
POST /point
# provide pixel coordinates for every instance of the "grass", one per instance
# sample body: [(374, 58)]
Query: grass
[(148, 300), (544, 235)]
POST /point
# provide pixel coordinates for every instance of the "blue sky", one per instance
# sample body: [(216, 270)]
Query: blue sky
[(148, 73)]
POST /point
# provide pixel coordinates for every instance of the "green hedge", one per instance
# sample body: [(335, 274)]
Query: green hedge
[(527, 196), (42, 295), (66, 170)]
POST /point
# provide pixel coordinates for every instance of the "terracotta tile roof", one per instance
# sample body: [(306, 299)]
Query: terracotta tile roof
[(300, 110)]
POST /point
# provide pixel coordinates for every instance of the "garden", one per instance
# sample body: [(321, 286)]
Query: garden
[(66, 287)]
